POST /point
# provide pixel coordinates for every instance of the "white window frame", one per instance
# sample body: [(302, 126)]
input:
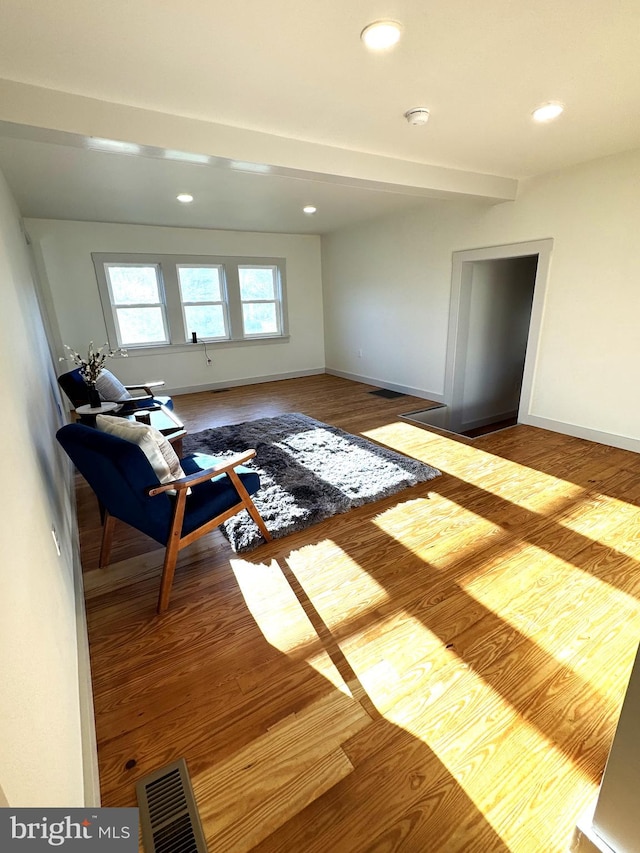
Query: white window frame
[(276, 301), (116, 306), (178, 336), (223, 301)]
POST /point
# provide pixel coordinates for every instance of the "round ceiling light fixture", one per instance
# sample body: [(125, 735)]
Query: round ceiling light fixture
[(417, 116), (309, 209), (381, 35), (184, 198), (547, 112)]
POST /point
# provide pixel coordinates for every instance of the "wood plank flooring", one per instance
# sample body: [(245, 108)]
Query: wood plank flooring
[(440, 671)]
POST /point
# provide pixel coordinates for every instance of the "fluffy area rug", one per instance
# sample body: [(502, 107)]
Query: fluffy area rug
[(308, 471)]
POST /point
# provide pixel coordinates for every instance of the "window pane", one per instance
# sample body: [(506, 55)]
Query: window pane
[(256, 283), (260, 318), (140, 326), (206, 320), (131, 284), (199, 284)]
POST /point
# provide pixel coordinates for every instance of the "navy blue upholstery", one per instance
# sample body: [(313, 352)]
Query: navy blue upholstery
[(120, 474), (215, 496), (77, 391), (122, 477)]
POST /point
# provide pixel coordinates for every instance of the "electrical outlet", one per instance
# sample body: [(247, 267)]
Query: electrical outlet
[(56, 541), (359, 353)]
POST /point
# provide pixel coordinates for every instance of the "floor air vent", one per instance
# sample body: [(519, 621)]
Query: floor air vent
[(168, 813), (387, 393)]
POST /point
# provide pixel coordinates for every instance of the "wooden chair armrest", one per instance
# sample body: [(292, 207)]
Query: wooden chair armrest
[(147, 386), (131, 399), (203, 476), (136, 397)]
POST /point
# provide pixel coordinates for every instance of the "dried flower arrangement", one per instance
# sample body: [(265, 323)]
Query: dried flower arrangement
[(91, 366)]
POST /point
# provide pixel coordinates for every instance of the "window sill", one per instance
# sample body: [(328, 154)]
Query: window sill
[(166, 349)]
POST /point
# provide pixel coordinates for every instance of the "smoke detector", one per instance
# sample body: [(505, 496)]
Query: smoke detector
[(417, 116)]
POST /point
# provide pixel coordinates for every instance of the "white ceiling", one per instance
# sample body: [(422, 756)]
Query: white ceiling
[(54, 181), (299, 70)]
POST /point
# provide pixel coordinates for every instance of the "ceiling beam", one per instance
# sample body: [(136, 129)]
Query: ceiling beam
[(47, 114)]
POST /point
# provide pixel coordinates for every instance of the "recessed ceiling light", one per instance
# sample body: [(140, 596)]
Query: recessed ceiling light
[(185, 198), (547, 112), (309, 209), (381, 35)]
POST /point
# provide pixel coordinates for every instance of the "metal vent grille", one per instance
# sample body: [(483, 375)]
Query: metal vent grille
[(387, 393), (168, 813)]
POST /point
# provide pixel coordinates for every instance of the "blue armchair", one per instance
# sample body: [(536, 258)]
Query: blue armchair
[(77, 391), (128, 489)]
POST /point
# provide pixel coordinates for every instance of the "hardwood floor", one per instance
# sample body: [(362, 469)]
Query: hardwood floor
[(438, 671)]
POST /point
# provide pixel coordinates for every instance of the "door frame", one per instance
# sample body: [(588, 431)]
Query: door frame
[(459, 315)]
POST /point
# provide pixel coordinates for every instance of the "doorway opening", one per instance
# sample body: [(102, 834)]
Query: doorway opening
[(497, 297)]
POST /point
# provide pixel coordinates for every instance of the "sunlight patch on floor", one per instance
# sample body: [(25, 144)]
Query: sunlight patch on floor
[(356, 586), (479, 738), (546, 599), (282, 619), (419, 442), (592, 519), (402, 655), (398, 433), (273, 605), (521, 485), (455, 532)]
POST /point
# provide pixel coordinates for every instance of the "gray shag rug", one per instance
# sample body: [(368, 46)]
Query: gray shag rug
[(308, 471)]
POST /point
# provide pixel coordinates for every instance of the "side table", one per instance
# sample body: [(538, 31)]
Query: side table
[(87, 414)]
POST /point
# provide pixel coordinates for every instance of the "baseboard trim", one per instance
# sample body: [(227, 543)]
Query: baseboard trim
[(235, 383), (585, 838), (90, 768), (383, 383), (621, 441)]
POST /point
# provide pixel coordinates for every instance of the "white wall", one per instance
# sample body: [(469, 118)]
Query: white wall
[(387, 287), (616, 819), (40, 721), (66, 249)]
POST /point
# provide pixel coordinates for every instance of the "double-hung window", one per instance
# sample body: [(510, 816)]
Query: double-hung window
[(137, 299), (204, 302), (260, 296), (164, 300)]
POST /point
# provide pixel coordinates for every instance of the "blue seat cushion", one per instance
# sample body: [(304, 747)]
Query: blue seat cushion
[(167, 402), (215, 496)]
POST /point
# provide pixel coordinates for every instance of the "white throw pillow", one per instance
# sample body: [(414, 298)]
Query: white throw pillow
[(151, 441), (110, 389)]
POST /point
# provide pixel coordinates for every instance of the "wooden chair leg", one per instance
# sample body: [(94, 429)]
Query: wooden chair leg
[(168, 571), (107, 537), (102, 511), (171, 554), (249, 504), (255, 515)]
